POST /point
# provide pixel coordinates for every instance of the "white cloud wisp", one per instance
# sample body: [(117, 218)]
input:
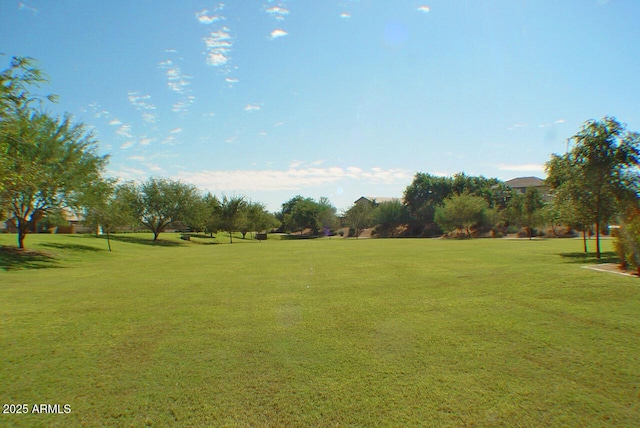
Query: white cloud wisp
[(295, 178)]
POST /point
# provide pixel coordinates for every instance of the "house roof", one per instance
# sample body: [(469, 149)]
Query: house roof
[(521, 182), (377, 199)]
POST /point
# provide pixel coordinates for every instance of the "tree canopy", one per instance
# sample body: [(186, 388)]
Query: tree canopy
[(158, 202), (49, 163), (599, 175)]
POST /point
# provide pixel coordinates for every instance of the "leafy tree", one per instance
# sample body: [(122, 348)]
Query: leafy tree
[(197, 215), (427, 192), (230, 211), (304, 215), (389, 215), (257, 218), (627, 244), (284, 216), (48, 164), (16, 83), (359, 217), (600, 172), (104, 207), (158, 202), (461, 212), (571, 199), (532, 214), (424, 194), (327, 218), (212, 218)]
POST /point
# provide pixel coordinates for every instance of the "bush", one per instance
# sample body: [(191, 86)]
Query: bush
[(627, 245), (512, 229)]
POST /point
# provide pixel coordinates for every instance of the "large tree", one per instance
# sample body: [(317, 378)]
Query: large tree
[(16, 101), (230, 212), (461, 212), (104, 208), (256, 218), (158, 202), (327, 218), (425, 194), (601, 168), (389, 215), (48, 162), (359, 217)]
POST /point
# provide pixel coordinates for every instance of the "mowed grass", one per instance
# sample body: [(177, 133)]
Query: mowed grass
[(396, 332)]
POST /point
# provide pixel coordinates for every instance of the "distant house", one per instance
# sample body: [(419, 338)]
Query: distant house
[(74, 224), (375, 200), (521, 184)]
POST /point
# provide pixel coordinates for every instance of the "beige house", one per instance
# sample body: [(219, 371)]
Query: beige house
[(375, 200), (521, 184)]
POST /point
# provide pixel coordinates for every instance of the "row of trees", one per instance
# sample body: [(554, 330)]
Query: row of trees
[(48, 164), (157, 203)]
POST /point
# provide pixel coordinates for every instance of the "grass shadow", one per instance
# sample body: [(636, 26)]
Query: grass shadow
[(72, 247), (13, 258), (292, 237), (142, 241), (590, 258)]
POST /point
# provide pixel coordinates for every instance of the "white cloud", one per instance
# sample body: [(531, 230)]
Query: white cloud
[(137, 158), (179, 83), (115, 122), (170, 140), (175, 131), (231, 140), (522, 167), (252, 107), (142, 104), (127, 144), (232, 80), (278, 12), (345, 15), (295, 178), (144, 141), (140, 101), (209, 17), (149, 117), (182, 106), (424, 9), (278, 33), (124, 131), (126, 173), (24, 6), (218, 47), (560, 121)]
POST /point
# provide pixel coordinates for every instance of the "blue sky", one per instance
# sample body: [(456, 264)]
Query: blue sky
[(337, 98)]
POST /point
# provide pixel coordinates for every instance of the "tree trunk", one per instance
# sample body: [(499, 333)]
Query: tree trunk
[(584, 239), (230, 238), (21, 236), (597, 240), (108, 240)]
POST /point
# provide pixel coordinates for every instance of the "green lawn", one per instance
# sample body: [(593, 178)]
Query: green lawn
[(396, 332)]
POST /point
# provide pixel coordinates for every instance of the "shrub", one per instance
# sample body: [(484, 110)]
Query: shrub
[(627, 245)]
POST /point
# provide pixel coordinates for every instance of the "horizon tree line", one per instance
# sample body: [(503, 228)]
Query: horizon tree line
[(50, 164)]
